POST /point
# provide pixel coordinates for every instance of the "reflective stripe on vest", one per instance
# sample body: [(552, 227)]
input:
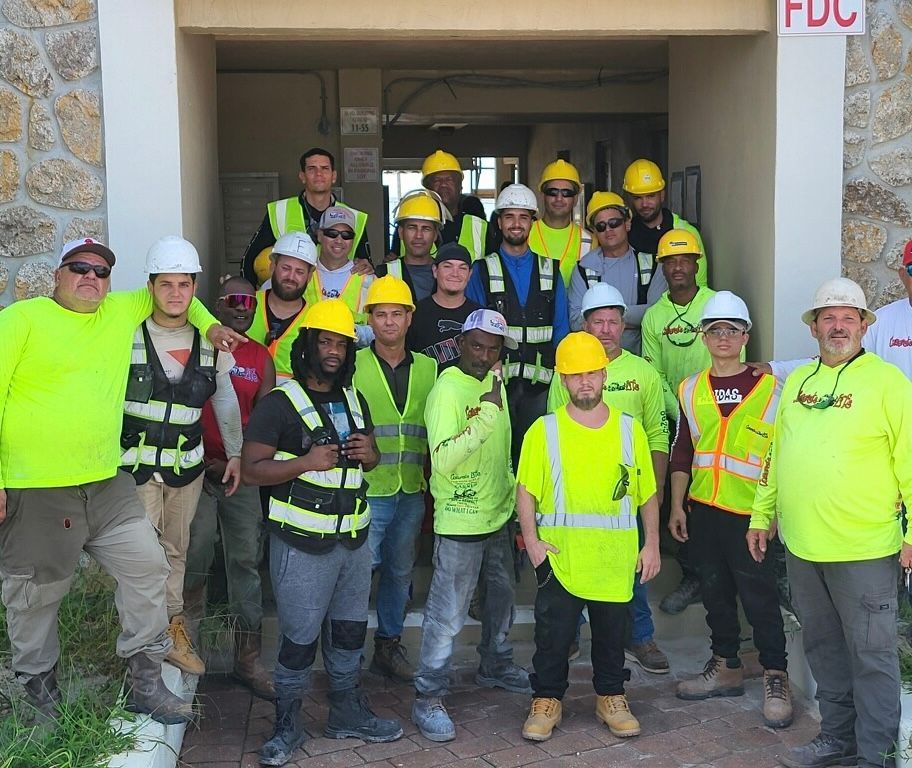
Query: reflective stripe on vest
[(279, 348), (353, 293), (726, 463), (472, 234), (534, 372), (288, 216), (175, 460), (625, 520), (350, 479)]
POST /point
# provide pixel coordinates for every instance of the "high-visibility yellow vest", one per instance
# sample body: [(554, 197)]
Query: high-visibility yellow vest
[(728, 450), (322, 503), (577, 530), (401, 437), (472, 234), (288, 216), (354, 294), (578, 244), (534, 360), (280, 346), (161, 429)]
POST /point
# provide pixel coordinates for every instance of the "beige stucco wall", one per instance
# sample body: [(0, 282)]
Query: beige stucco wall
[(52, 178), (727, 126), (877, 203)]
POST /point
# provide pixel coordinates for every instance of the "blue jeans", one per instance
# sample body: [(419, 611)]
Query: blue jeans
[(641, 615), (395, 523), (458, 567)]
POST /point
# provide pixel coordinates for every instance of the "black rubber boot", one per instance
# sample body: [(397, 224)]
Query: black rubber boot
[(288, 734), (44, 695), (687, 593), (350, 717), (149, 695)]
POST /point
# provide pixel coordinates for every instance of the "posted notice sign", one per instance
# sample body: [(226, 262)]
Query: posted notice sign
[(362, 164), (821, 17)]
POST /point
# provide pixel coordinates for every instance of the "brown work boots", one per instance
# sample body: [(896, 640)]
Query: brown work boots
[(614, 711), (248, 668), (182, 655), (544, 716), (390, 660), (777, 699)]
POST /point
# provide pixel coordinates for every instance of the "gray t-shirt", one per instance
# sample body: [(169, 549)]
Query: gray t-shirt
[(422, 280), (622, 273)]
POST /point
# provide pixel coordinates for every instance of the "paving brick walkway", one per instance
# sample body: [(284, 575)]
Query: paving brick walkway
[(726, 733)]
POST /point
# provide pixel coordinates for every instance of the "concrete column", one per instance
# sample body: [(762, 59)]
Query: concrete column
[(363, 88)]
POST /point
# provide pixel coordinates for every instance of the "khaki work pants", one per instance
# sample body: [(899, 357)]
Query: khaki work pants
[(171, 511), (45, 531)]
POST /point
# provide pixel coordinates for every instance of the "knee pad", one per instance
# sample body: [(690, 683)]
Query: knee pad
[(348, 635), (295, 656)]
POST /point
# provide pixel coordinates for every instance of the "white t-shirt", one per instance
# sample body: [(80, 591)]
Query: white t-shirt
[(890, 338)]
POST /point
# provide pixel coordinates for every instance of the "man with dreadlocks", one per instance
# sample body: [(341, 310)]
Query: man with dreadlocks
[(311, 440)]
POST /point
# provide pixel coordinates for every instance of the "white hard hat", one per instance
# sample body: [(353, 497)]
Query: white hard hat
[(172, 255), (725, 305), (298, 245), (516, 196), (839, 292), (602, 295)]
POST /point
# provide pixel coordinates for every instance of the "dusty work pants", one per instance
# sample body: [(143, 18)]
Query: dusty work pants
[(171, 511), (45, 531)]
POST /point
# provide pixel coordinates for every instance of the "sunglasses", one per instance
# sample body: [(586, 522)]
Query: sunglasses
[(332, 234), (601, 226), (623, 484), (83, 268), (242, 301), (555, 192)]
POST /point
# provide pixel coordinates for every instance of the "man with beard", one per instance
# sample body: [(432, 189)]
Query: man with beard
[(437, 321), (280, 309), (527, 290), (645, 186), (556, 235), (236, 519), (632, 386), (465, 222), (838, 467), (311, 440), (173, 373), (303, 213), (670, 331), (419, 218), (472, 485), (581, 536)]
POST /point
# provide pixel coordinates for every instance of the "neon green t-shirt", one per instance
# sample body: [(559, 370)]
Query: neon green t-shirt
[(837, 475), (469, 442), (63, 377), (560, 244), (633, 386), (593, 563)]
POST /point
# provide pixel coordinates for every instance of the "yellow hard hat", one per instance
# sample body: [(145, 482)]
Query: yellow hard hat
[(602, 200), (559, 169), (678, 242), (580, 352), (262, 265), (439, 161), (643, 177), (389, 290), (422, 204), (331, 315)]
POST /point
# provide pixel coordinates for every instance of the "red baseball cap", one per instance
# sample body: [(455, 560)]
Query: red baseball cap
[(907, 254)]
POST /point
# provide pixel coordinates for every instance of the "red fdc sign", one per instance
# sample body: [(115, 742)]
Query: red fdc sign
[(821, 17)]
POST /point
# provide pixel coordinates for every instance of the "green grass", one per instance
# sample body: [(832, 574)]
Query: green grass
[(90, 674)]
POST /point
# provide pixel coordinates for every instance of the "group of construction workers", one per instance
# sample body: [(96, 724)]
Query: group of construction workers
[(525, 382)]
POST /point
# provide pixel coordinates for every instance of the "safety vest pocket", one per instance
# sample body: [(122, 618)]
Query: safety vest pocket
[(304, 496), (140, 383)]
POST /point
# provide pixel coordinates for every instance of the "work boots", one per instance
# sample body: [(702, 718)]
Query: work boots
[(777, 699), (44, 695), (717, 679), (287, 735), (614, 711), (544, 716), (182, 654), (390, 660), (247, 666), (686, 593), (351, 718), (432, 719), (149, 694)]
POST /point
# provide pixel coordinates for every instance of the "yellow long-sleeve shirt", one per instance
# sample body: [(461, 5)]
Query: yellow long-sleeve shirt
[(837, 475), (63, 376)]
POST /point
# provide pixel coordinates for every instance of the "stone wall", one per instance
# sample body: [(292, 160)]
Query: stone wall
[(877, 199), (52, 181)]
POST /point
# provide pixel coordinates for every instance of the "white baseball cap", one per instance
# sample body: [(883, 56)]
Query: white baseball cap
[(491, 322), (86, 244)]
